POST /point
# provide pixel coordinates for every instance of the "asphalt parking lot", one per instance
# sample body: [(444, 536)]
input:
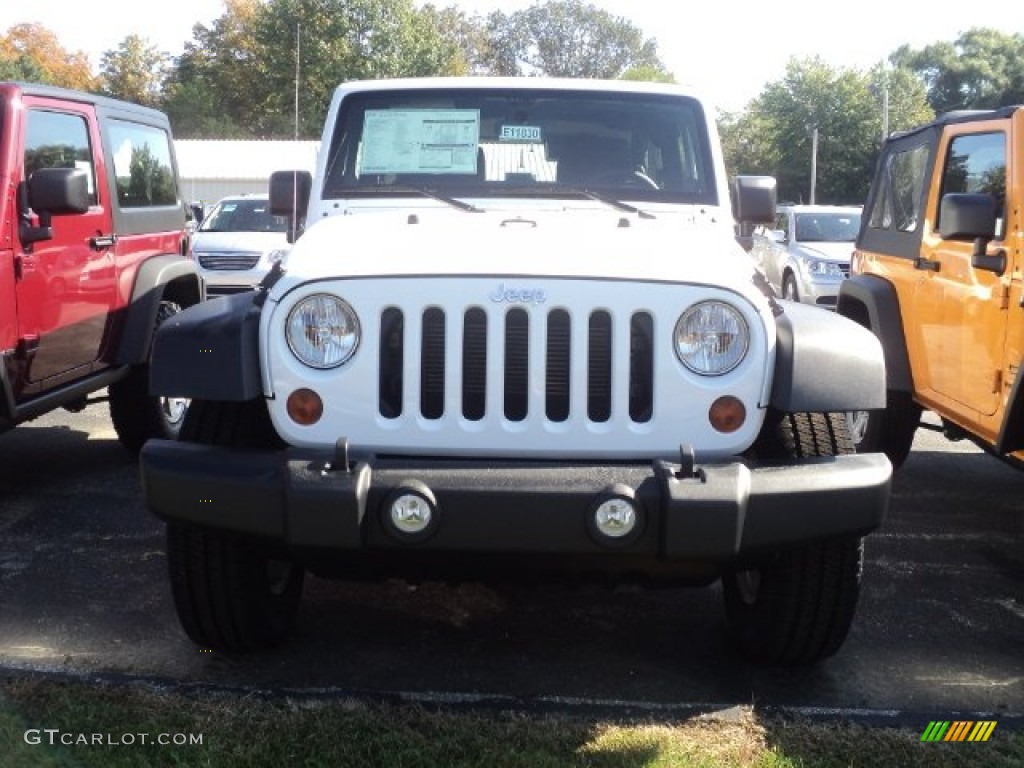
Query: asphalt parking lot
[(939, 632)]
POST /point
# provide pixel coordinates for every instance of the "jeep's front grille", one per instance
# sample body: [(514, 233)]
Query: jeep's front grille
[(228, 260), (553, 373)]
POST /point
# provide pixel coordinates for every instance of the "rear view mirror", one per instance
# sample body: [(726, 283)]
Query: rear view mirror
[(753, 199), (53, 191), (289, 196)]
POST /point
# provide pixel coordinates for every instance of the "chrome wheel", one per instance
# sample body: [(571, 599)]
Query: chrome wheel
[(172, 409), (857, 423)]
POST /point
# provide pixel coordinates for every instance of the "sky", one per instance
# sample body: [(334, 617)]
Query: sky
[(728, 48)]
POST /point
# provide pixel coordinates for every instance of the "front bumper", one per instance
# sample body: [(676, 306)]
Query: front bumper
[(719, 513), (820, 291)]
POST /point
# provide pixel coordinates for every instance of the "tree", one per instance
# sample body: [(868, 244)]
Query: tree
[(241, 71), (982, 69), (774, 135), (21, 67), (33, 52), (135, 71), (208, 91), (566, 38)]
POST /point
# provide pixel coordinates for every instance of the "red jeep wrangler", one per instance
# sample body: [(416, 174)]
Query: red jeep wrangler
[(92, 256)]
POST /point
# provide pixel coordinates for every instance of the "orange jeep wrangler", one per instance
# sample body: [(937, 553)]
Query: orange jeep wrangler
[(938, 275)]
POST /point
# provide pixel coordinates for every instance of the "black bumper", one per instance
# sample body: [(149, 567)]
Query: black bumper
[(723, 512)]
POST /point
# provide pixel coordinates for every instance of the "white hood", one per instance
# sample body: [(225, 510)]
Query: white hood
[(684, 246)]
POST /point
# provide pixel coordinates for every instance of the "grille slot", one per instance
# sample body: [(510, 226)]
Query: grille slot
[(641, 367), (474, 364), (599, 367), (432, 364), (517, 364), (559, 357), (392, 348)]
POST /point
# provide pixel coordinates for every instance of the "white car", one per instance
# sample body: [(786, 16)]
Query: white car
[(237, 243), (807, 254), (517, 337)]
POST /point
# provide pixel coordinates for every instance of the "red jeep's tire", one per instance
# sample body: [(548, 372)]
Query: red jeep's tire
[(138, 416), (232, 593), (795, 607)]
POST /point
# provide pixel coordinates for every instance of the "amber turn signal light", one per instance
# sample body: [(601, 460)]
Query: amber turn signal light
[(727, 414), (305, 407)]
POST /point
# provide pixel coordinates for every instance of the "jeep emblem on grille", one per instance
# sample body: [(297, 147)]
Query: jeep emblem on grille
[(518, 295)]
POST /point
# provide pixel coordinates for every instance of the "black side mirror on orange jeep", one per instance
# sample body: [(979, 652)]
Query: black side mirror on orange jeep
[(965, 216), (52, 191)]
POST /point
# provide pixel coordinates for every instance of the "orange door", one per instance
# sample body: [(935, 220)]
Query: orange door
[(962, 311)]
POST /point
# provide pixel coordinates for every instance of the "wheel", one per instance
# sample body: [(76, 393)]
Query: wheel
[(795, 607), (137, 415), (789, 289), (890, 430), (232, 593)]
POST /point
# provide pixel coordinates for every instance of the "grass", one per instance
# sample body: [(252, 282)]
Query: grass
[(250, 730)]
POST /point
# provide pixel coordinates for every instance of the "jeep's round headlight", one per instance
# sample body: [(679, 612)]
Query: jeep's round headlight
[(711, 338), (322, 331)]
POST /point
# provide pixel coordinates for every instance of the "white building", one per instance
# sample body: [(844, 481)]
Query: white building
[(210, 170)]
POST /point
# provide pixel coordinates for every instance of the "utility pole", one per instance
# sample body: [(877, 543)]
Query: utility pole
[(885, 106), (814, 161)]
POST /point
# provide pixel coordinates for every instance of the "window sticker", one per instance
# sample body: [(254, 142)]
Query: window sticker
[(420, 141), (520, 133)]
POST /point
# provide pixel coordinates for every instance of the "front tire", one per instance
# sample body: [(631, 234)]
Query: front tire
[(789, 289), (795, 607), (889, 430), (232, 593), (138, 416)]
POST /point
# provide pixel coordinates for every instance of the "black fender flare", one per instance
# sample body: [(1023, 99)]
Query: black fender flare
[(825, 362), (210, 351), (873, 303), (1011, 433), (170, 277)]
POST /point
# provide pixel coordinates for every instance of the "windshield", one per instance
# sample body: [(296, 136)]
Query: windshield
[(827, 227), (243, 216), (502, 142)]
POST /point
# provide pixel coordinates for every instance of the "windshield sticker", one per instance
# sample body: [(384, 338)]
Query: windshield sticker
[(520, 133), (420, 141)]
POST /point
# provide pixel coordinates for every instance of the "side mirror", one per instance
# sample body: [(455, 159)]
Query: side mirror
[(964, 216), (289, 196), (753, 199), (53, 191)]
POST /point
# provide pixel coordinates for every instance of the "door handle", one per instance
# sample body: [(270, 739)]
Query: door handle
[(928, 264), (99, 242)]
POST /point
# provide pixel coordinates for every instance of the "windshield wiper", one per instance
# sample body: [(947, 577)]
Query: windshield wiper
[(433, 194), (615, 203)]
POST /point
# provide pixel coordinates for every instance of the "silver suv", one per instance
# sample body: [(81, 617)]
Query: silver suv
[(238, 242), (806, 256)]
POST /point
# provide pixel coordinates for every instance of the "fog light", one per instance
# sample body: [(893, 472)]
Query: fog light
[(616, 517), (727, 414), (304, 407), (410, 512)]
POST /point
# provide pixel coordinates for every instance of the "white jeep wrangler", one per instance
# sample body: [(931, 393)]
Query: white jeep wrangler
[(517, 335)]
